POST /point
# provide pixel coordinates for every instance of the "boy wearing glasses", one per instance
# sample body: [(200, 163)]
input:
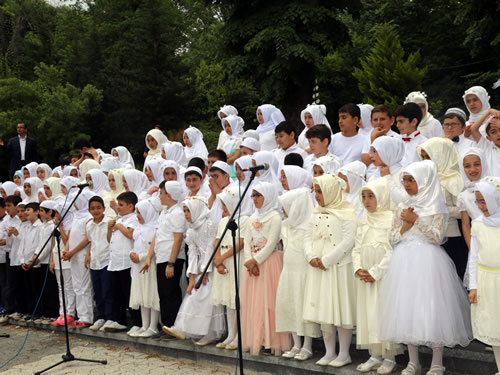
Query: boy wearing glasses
[(453, 126)]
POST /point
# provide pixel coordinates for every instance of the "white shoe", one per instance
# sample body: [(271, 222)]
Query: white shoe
[(97, 325), (387, 367), (412, 369), (323, 361), (303, 355), (4, 319), (336, 363), (107, 324), (436, 370), (133, 329), (148, 333), (291, 353), (173, 332), (372, 364), (114, 327)]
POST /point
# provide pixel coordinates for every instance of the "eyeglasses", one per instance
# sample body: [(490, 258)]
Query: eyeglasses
[(480, 201), (451, 125), (256, 195)]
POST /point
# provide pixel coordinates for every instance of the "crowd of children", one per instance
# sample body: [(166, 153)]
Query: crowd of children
[(391, 234)]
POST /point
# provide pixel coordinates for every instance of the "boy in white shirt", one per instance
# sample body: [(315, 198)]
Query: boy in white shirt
[(286, 136), (168, 247), (3, 269), (408, 117), (319, 137), (491, 143), (453, 126), (348, 144)]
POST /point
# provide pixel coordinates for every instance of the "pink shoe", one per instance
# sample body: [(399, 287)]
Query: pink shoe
[(69, 318), (59, 321)]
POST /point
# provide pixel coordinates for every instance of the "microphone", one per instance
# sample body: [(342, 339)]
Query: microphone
[(81, 186), (257, 168)]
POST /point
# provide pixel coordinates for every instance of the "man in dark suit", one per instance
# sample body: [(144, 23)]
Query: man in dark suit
[(22, 149)]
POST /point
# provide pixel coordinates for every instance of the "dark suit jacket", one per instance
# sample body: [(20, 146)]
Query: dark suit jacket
[(13, 147)]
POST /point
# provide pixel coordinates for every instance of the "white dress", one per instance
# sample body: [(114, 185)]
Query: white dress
[(421, 299), (330, 296), (290, 294), (223, 292), (144, 286)]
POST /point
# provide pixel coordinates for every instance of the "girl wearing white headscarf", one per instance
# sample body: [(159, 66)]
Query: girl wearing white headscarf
[(31, 187), (70, 171), (263, 263), (297, 207), (29, 170), (136, 182), (115, 183), (444, 154), (477, 101), (268, 117), (271, 174), (52, 187), (365, 123), (174, 151), (43, 171), (354, 176), (154, 141), (233, 126), (197, 317), (329, 298), (10, 188), (326, 164), (124, 156), (485, 266), (370, 258), (313, 114), (224, 111), (223, 292), (194, 145), (243, 179), (294, 177), (429, 126), (411, 309), (98, 181), (86, 166), (111, 163), (144, 287)]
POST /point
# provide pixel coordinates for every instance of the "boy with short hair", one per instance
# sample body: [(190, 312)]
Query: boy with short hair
[(121, 242), (168, 247), (491, 143), (348, 144), (215, 155), (193, 177), (249, 146), (198, 162), (453, 126), (294, 159), (286, 137), (408, 117), (319, 137)]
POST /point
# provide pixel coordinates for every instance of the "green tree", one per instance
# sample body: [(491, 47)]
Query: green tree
[(385, 76)]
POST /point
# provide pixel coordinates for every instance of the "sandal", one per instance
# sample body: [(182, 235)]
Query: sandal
[(412, 369), (372, 364), (291, 353), (436, 370), (303, 355), (387, 367)]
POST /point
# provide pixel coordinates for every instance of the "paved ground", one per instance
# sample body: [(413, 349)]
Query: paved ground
[(43, 349)]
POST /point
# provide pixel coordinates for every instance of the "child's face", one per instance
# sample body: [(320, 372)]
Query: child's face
[(221, 179), (41, 197), (239, 174), (369, 200), (124, 208), (260, 117), (169, 174), (308, 119), (31, 214), (424, 155), (64, 190), (318, 194), (45, 215), (284, 181), (472, 167), (193, 183), (26, 173), (344, 177), (258, 199), (10, 208), (382, 120), (115, 154), (17, 179), (422, 108), (3, 193), (124, 182), (47, 191), (318, 171), (152, 144), (111, 181), (375, 158), (285, 140), (494, 133), (40, 173), (410, 185), (149, 174), (187, 142), (2, 211), (404, 125), (211, 161), (246, 151), (88, 179), (96, 209), (187, 215), (20, 213), (452, 127), (227, 128), (225, 211), (140, 219), (74, 173), (473, 103), (27, 189), (481, 203), (318, 147), (347, 123), (163, 197)]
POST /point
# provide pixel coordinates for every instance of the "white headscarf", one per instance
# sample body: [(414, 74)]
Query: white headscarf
[(230, 197), (328, 163), (198, 207), (270, 175), (10, 188), (245, 162), (99, 181), (318, 113), (87, 165), (198, 147), (155, 166), (251, 133), (366, 118), (270, 193), (159, 137), (297, 177), (137, 181), (483, 96), (333, 187), (111, 163), (490, 189), (31, 167), (125, 157), (484, 172), (382, 217), (251, 143), (429, 198), (54, 184), (237, 124), (47, 169), (35, 184), (228, 110), (144, 233), (298, 206), (67, 170), (418, 97), (68, 182), (391, 151), (272, 117), (178, 170), (355, 172), (175, 151), (118, 176)]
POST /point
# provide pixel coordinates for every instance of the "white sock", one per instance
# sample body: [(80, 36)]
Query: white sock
[(330, 342), (155, 318), (345, 338), (374, 354), (437, 356), (496, 351), (308, 341), (145, 314), (232, 327), (413, 354), (296, 340)]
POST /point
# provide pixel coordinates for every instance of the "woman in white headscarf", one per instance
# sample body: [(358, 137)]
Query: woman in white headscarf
[(224, 111), (268, 117), (410, 308), (313, 114), (194, 145), (354, 175), (429, 126), (124, 156)]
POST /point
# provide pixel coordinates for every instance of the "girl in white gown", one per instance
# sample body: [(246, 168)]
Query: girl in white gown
[(421, 299)]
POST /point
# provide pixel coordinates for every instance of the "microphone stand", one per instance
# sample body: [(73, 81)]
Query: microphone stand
[(68, 357), (233, 227)]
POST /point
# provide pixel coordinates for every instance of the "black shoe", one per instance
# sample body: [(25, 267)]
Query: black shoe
[(266, 351)]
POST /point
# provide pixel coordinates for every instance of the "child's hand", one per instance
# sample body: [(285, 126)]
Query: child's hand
[(12, 231), (169, 272), (205, 279), (315, 262), (361, 273), (66, 255), (218, 260), (51, 267), (113, 205), (221, 269), (473, 296), (250, 264), (385, 171), (377, 132), (111, 224), (409, 216), (190, 287), (87, 261), (255, 270), (321, 266), (153, 189), (214, 188), (145, 267), (134, 257)]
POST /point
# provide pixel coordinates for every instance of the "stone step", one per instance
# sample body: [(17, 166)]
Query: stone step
[(473, 360)]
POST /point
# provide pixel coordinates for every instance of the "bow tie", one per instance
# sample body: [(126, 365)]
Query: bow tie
[(408, 139), (456, 139)]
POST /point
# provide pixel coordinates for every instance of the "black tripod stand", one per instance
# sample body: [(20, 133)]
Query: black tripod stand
[(68, 357), (233, 227)]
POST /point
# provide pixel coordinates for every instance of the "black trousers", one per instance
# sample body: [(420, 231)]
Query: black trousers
[(169, 291), (3, 285), (49, 305), (456, 247), (16, 295), (120, 285)]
